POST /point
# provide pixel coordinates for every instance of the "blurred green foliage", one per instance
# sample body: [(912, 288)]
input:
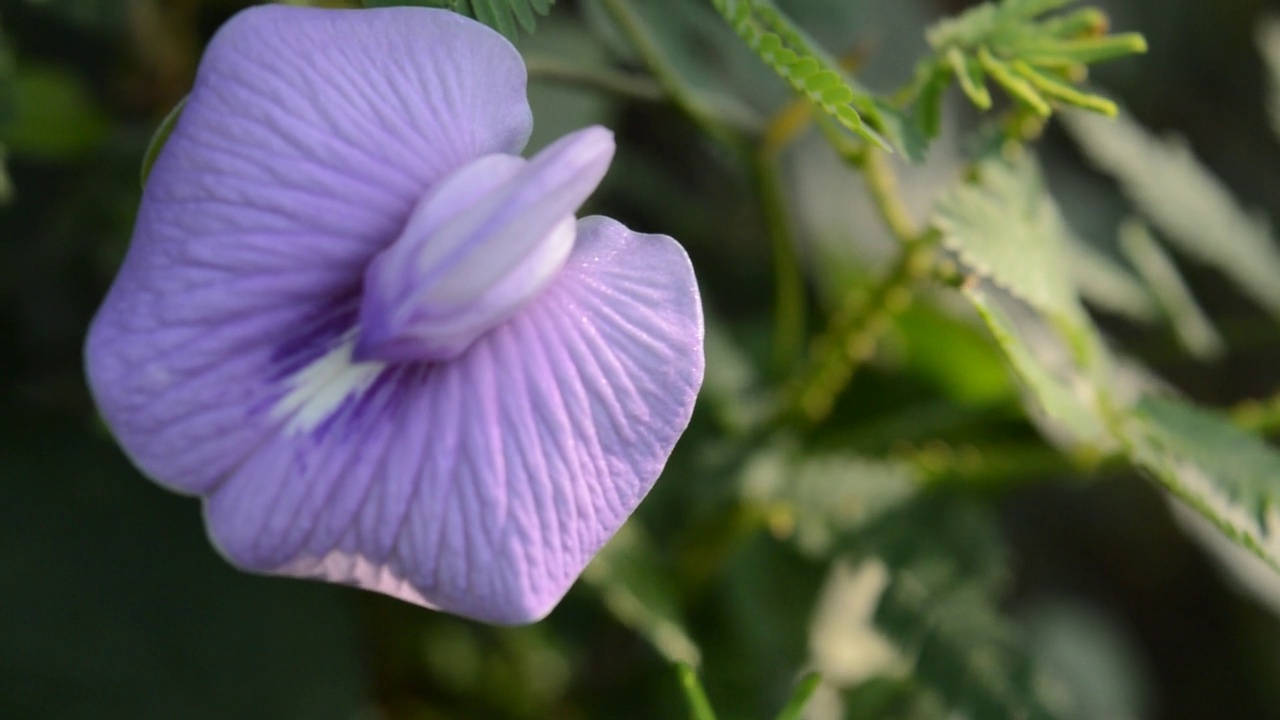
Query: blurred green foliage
[(930, 377)]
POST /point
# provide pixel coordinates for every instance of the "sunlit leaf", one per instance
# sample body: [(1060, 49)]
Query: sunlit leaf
[(1017, 86), (1063, 396), (1192, 326), (1228, 475), (1185, 201), (1006, 228), (968, 71), (1106, 284), (1033, 55)]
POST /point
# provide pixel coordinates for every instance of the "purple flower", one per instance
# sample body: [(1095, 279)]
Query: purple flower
[(375, 341)]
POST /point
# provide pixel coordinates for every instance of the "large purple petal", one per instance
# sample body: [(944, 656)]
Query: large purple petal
[(303, 147), (483, 485)]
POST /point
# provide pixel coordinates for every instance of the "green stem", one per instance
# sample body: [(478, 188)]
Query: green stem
[(789, 302), (882, 182), (1001, 467), (852, 335), (862, 318), (636, 87), (665, 72), (1261, 417), (699, 705), (883, 186)]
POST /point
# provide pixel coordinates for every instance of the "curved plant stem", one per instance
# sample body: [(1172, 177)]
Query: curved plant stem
[(695, 696), (789, 291), (853, 333), (665, 72), (855, 328), (636, 87), (883, 186)]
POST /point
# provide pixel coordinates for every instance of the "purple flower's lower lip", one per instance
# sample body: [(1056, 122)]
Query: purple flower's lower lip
[(460, 418)]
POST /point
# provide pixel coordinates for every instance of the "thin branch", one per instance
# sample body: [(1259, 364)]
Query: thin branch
[(665, 72), (633, 86)]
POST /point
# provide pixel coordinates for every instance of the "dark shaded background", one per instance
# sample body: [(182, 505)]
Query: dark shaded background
[(113, 604)]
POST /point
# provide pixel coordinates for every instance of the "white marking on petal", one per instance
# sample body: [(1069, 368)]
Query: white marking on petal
[(358, 571), (319, 389)]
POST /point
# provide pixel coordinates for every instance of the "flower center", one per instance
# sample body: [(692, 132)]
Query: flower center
[(478, 247)]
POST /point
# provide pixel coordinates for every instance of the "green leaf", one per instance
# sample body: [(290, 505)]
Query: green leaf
[(1028, 9), (947, 571), (1012, 43), (1006, 228), (887, 697), (1059, 89), (630, 580), (446, 4), (971, 76), (1100, 664), (1087, 22), (955, 355), (505, 16), (805, 689), (796, 58), (693, 55), (1015, 85), (1053, 53), (1106, 284), (897, 128), (817, 498), (1171, 293), (967, 651), (968, 29), (1269, 46), (1061, 395), (1192, 208), (928, 104), (1228, 475), (159, 138)]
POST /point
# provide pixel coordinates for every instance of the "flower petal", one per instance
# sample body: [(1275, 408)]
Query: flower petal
[(484, 485), (477, 249), (305, 144)]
